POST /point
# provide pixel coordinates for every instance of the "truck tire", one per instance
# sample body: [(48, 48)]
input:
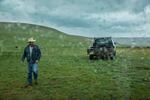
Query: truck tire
[(91, 57), (112, 57)]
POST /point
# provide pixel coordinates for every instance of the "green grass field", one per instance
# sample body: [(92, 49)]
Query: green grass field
[(65, 72)]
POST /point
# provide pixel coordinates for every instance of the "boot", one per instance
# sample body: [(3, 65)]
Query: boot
[(28, 85)]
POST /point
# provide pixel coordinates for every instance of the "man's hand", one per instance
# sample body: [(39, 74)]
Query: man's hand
[(36, 61)]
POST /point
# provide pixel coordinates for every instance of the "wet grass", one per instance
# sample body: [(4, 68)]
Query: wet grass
[(66, 73)]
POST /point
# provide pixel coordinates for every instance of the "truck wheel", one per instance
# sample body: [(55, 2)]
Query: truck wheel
[(91, 57), (112, 57)]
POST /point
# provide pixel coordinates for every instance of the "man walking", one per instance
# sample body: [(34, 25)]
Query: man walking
[(33, 54)]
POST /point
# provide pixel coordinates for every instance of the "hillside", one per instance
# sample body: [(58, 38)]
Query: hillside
[(16, 34), (65, 72)]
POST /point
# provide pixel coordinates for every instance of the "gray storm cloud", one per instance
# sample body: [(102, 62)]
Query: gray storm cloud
[(117, 18)]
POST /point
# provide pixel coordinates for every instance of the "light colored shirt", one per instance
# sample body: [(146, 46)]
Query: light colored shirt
[(31, 48)]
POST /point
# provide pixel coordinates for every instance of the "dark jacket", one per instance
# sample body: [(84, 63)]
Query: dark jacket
[(36, 54)]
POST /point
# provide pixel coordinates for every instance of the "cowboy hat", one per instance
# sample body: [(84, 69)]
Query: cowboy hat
[(31, 40)]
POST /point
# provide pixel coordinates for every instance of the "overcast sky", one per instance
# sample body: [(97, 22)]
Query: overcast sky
[(117, 18)]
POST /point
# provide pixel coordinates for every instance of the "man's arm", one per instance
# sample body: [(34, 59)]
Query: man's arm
[(39, 53), (24, 55)]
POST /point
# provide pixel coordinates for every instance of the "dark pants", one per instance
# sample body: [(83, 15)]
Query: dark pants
[(32, 69)]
